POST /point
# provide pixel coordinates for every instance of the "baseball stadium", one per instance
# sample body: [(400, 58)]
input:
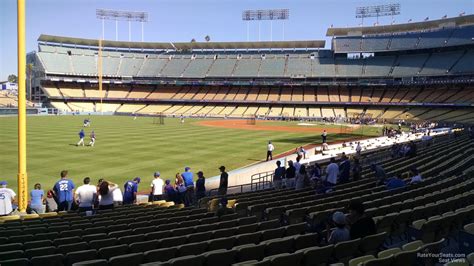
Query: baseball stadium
[(354, 148)]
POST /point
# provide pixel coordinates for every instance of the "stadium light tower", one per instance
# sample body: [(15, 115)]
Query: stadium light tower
[(116, 15), (378, 11), (266, 14)]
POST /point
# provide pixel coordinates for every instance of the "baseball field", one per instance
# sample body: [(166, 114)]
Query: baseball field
[(126, 148)]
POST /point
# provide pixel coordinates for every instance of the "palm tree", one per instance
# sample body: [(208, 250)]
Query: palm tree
[(29, 73)]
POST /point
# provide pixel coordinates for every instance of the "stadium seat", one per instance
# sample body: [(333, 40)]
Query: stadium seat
[(251, 238), (35, 252), (132, 259), (360, 260), (98, 262), (131, 239), (102, 243), (20, 238), (143, 246), (70, 233), (11, 247), (47, 236), (245, 229), (108, 252), (316, 255), (268, 225), (305, 241), (226, 232), (37, 244), (157, 235), (66, 240), (172, 241), (250, 252), (221, 243), (9, 255), (192, 249), (160, 255), (295, 229), (247, 220), (91, 237), (53, 260), (79, 256), (277, 246), (15, 262), (187, 260), (273, 233), (370, 244), (67, 248), (284, 259), (198, 237), (220, 257)]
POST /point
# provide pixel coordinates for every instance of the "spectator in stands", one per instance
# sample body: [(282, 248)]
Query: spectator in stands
[(278, 175), (106, 190), (379, 173), (51, 202), (85, 195), (189, 183), (332, 171), (223, 181), (37, 199), (180, 188), (340, 233), (416, 176), (118, 196), (360, 224), (7, 199), (157, 187), (344, 169), (169, 192), (356, 169), (130, 191), (270, 149), (301, 178), (412, 149), (297, 164), (64, 190), (317, 172), (395, 182), (290, 175), (471, 132), (201, 186), (358, 148)]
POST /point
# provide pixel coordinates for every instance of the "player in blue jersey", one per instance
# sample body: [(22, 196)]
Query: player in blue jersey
[(130, 191), (64, 190), (81, 138)]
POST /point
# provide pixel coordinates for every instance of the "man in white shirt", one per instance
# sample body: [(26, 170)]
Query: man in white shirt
[(358, 148), (332, 171), (85, 195), (270, 149), (7, 196), (157, 187)]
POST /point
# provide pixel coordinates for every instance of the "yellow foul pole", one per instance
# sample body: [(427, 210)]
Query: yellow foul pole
[(22, 176), (99, 72)]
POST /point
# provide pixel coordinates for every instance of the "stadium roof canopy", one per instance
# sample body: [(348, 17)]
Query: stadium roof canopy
[(404, 27), (184, 45)]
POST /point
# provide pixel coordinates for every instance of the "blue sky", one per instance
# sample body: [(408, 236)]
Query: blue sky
[(182, 20)]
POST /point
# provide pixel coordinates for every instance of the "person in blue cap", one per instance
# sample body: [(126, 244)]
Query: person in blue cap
[(7, 196), (130, 191)]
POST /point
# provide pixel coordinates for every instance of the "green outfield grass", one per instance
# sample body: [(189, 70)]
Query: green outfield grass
[(126, 148)]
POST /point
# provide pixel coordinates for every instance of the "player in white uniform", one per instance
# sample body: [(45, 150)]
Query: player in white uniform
[(7, 196)]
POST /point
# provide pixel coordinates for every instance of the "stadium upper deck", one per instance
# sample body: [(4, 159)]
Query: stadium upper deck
[(392, 52)]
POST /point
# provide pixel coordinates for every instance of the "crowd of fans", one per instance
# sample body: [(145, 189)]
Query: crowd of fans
[(64, 196)]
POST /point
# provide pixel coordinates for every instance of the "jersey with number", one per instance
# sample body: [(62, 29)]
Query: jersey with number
[(63, 189), (6, 196), (130, 188)]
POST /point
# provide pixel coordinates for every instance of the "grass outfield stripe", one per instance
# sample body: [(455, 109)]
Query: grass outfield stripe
[(127, 148)]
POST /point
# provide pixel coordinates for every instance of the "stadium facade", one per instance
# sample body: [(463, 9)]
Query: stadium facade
[(412, 71)]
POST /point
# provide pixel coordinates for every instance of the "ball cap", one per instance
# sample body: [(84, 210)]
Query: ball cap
[(339, 218), (187, 168), (156, 173), (137, 179), (3, 183)]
